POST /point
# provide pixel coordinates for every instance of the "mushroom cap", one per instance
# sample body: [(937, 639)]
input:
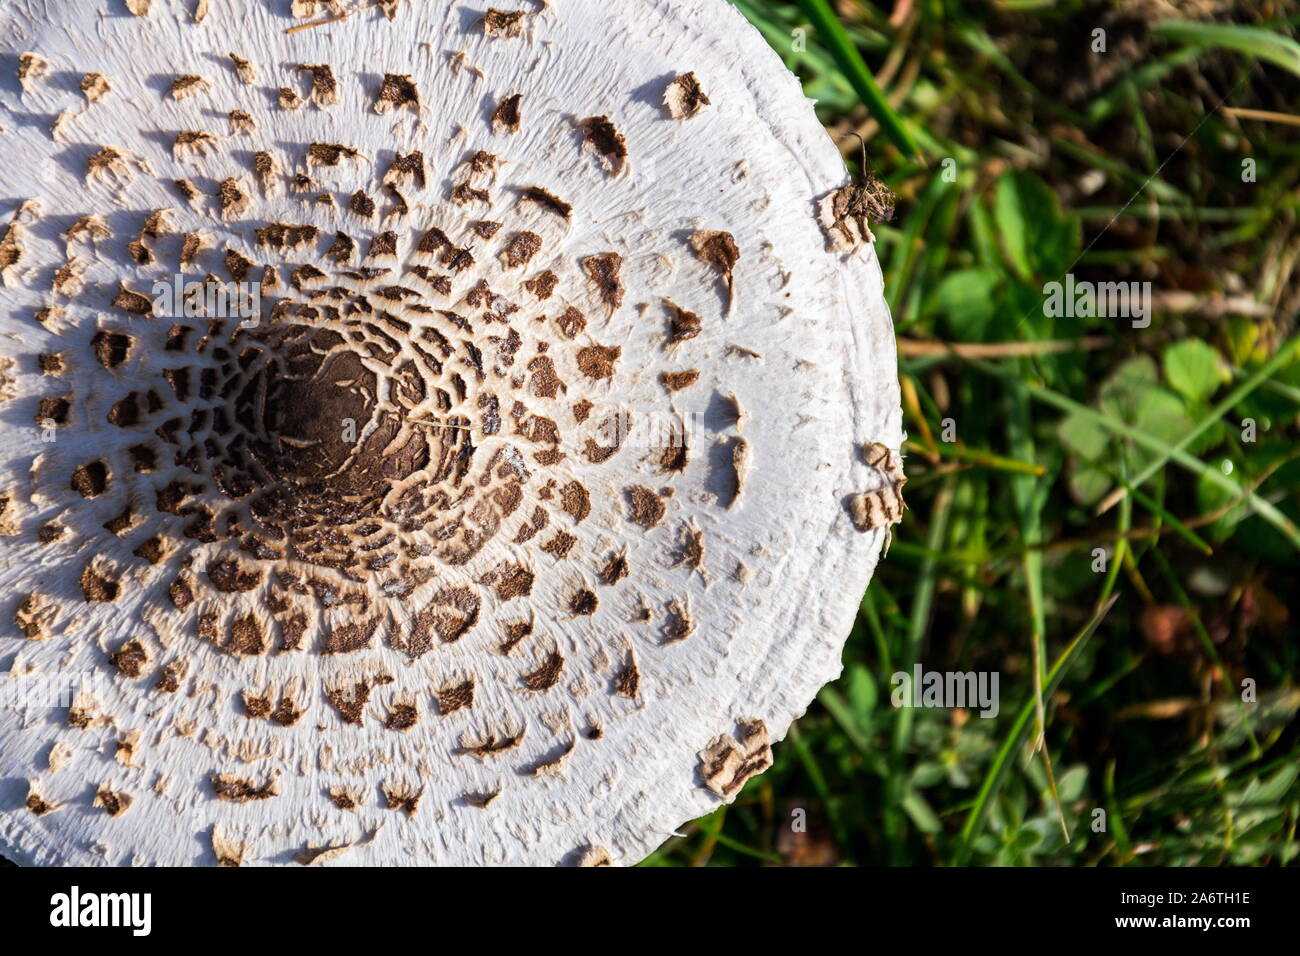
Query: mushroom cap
[(501, 515)]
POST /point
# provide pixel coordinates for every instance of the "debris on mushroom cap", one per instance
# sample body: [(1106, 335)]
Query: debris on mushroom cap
[(846, 213), (373, 487)]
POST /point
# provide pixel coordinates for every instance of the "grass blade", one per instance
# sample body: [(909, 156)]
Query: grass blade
[(1002, 762), (1253, 41), (841, 46)]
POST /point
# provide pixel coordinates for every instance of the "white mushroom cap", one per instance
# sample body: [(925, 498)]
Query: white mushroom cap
[(510, 616)]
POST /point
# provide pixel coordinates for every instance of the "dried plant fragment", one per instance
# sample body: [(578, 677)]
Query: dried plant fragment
[(684, 99), (847, 213)]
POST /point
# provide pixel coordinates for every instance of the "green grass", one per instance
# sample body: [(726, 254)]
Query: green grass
[(1105, 532)]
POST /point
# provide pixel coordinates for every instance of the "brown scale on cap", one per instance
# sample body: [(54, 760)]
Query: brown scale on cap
[(503, 23), (94, 86), (599, 136), (604, 272), (188, 85), (240, 790), (729, 761), (506, 117), (243, 69), (547, 200), (718, 249), (684, 98), (324, 87), (113, 802)]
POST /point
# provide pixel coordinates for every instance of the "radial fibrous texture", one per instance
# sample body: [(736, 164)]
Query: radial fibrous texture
[(431, 431)]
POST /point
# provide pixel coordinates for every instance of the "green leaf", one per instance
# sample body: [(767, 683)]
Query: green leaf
[(1275, 788), (1083, 436), (966, 300), (919, 812), (1039, 240), (1089, 442), (863, 693), (1120, 392), (1072, 783), (927, 773), (1162, 414), (1193, 369), (1089, 483)]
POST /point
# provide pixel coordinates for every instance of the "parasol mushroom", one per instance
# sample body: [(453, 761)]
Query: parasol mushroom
[(432, 433)]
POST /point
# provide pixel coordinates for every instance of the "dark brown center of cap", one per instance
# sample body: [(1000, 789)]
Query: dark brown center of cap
[(324, 424)]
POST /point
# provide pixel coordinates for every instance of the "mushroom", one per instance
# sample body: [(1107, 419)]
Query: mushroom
[(405, 474)]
